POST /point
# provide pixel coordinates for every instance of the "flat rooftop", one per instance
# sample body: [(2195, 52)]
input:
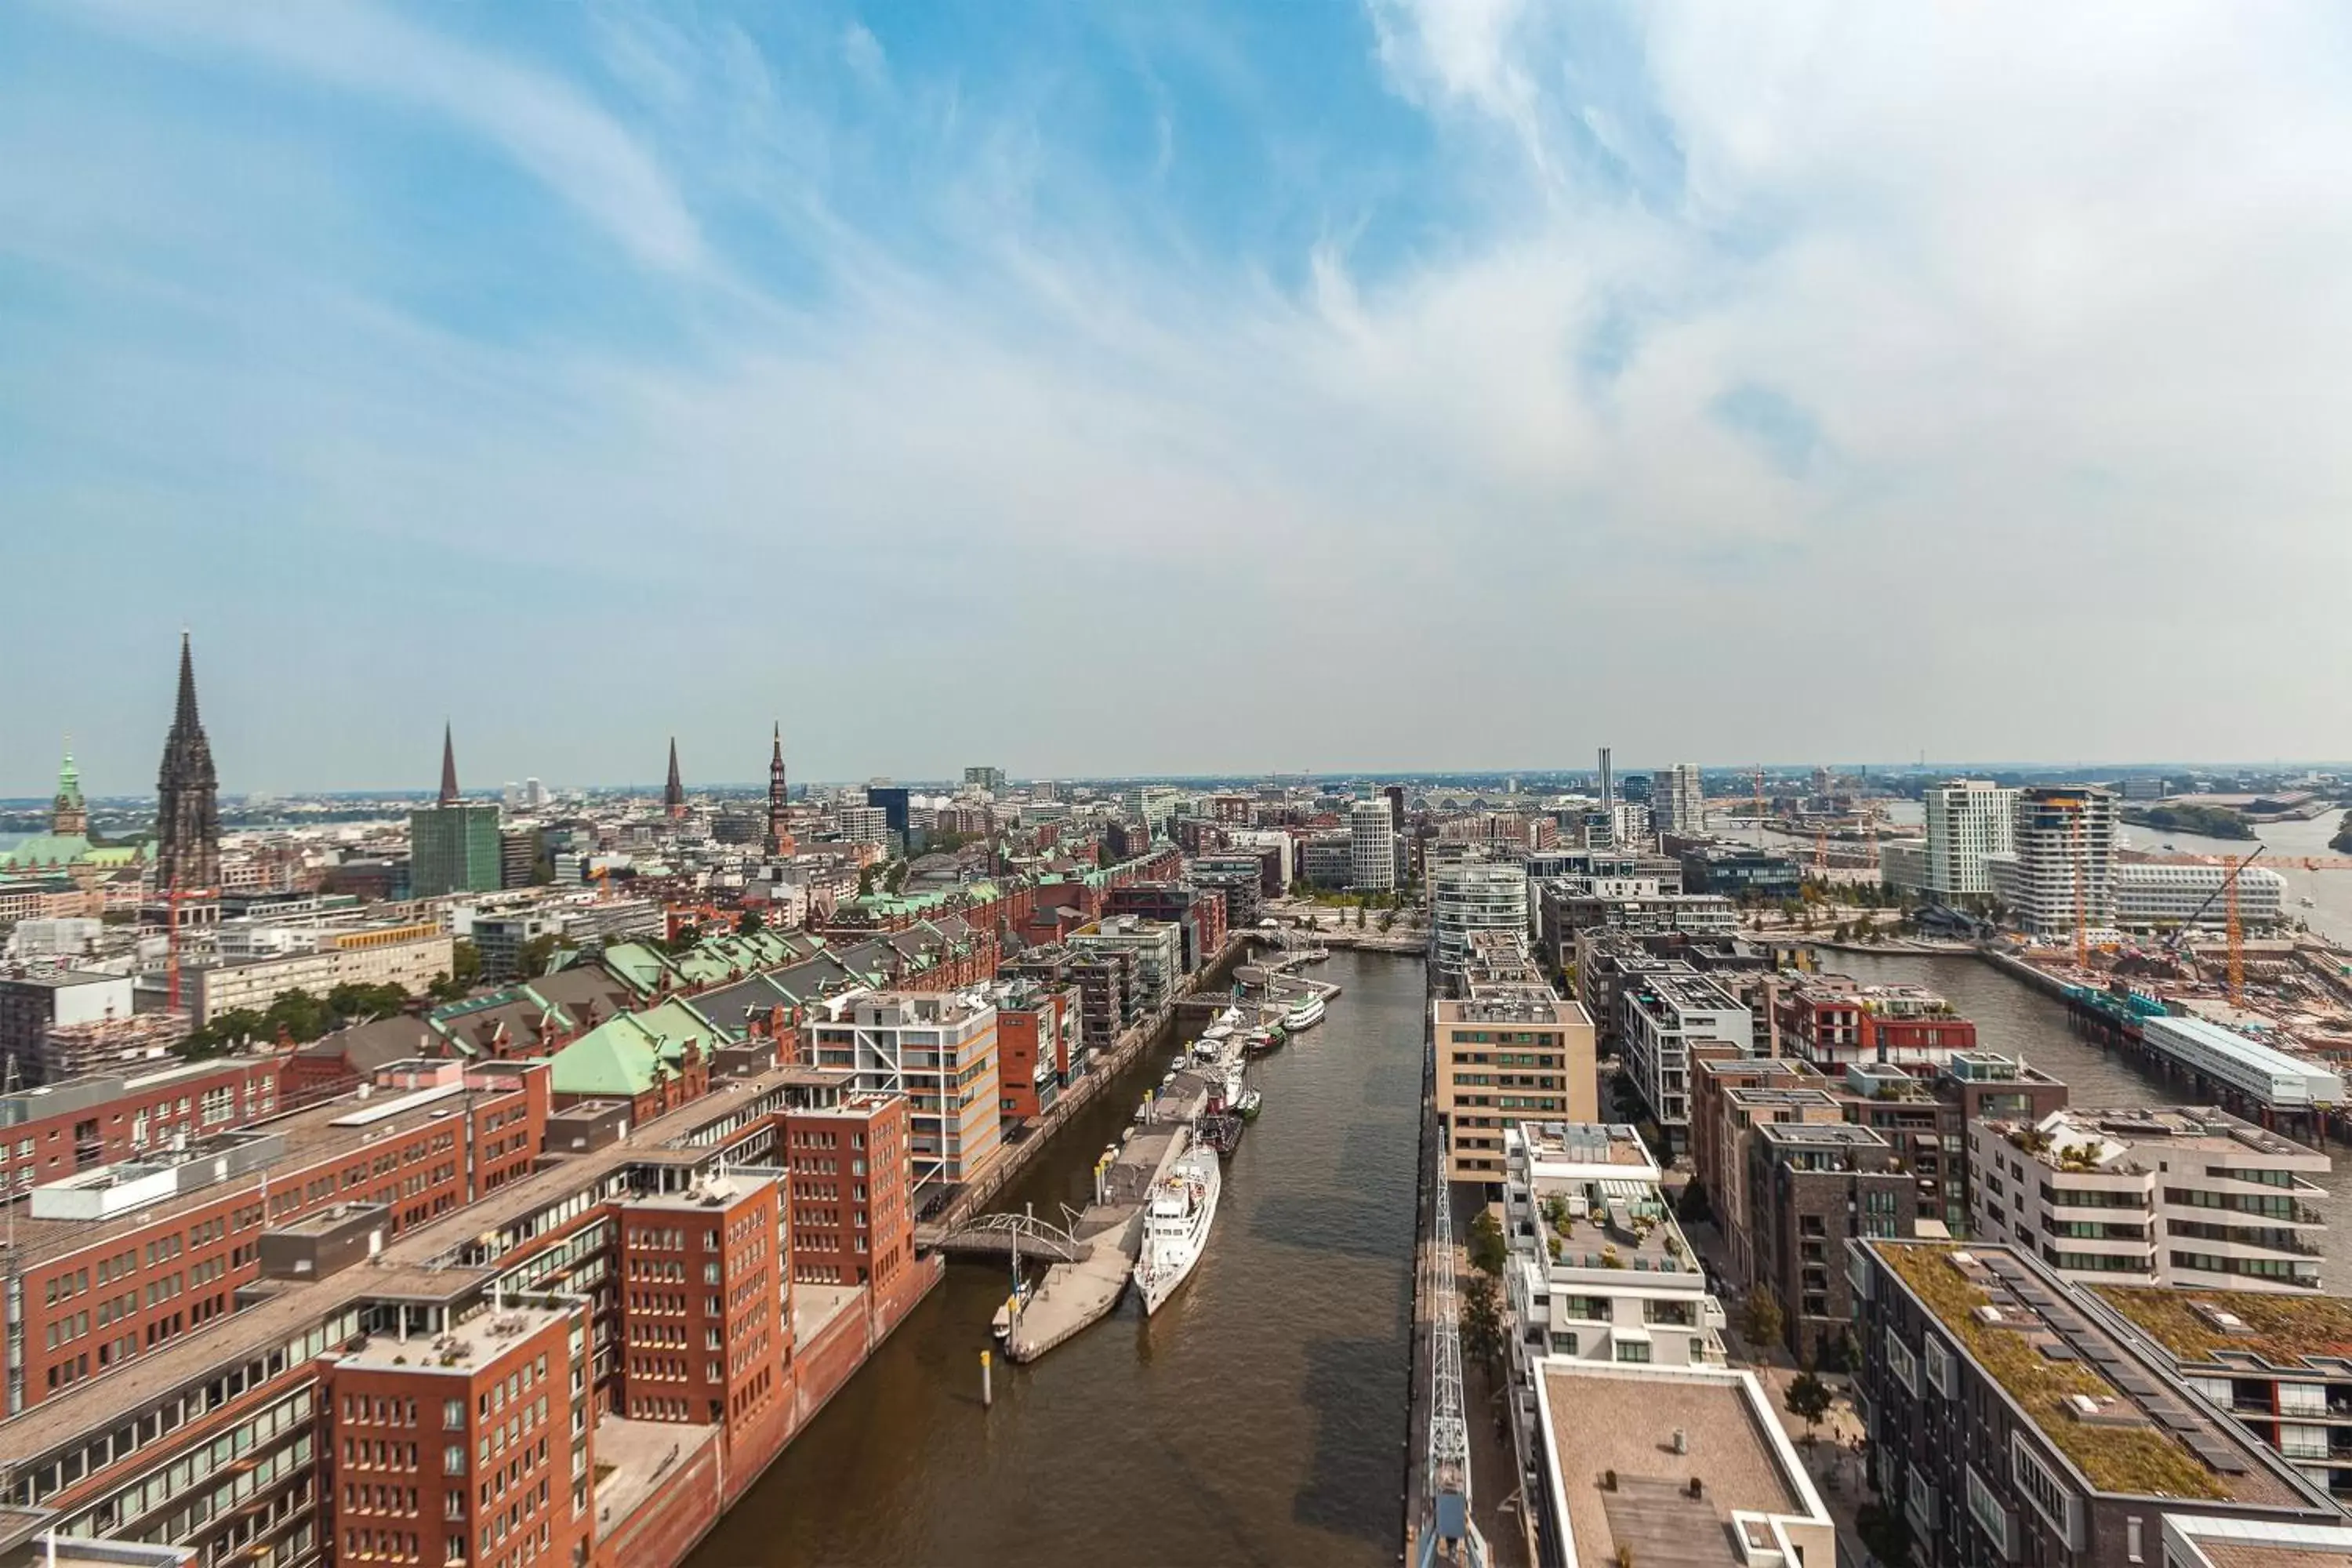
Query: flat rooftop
[(2149, 1436), (1601, 1418), (1514, 1005), (1587, 1143), (460, 1352), (633, 1457), (2192, 1129)]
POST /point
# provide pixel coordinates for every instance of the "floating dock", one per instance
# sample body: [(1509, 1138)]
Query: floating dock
[(1077, 1294)]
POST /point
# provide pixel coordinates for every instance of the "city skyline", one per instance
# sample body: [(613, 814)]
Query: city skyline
[(1916, 365)]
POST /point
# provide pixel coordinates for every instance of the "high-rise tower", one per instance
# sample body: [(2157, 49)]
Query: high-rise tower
[(187, 796), (780, 819), (453, 845), (674, 791)]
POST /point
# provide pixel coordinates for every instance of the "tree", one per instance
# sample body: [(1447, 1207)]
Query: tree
[(465, 965), (750, 921), (1884, 1533), (1487, 1250), (1692, 1208), (531, 962), (1809, 1400), (1482, 1319), (1759, 1316), (865, 880), (1360, 905)]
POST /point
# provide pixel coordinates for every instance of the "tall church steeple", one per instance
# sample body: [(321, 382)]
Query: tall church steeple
[(674, 791), (448, 766), (187, 796), (779, 817), (68, 816)]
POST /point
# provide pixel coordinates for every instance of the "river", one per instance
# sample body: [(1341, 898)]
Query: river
[(2015, 1020), (1260, 1417)]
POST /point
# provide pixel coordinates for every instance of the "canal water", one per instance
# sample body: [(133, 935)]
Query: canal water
[(2016, 1020), (1259, 1418)]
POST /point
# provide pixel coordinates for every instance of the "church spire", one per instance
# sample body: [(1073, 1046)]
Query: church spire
[(187, 796), (448, 766), (674, 791), (779, 817)]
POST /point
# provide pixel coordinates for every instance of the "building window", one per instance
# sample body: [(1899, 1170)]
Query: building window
[(1633, 1350), (2131, 1538)]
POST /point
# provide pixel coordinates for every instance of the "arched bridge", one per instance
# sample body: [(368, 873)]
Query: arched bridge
[(996, 1235)]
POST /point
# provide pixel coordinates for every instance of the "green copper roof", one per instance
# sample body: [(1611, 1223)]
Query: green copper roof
[(617, 1057), (51, 849), (675, 1023), (69, 780), (637, 966)]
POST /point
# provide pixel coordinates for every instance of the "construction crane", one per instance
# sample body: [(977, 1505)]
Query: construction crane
[(2233, 933)]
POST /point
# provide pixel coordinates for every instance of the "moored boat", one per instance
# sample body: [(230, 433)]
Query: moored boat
[(1251, 1101), (1176, 1225), (1304, 1015)]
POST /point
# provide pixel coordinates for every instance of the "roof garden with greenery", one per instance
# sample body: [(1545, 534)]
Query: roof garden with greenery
[(2281, 1329), (2139, 1462)]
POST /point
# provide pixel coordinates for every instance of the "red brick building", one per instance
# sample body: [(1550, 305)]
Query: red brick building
[(464, 1442), (852, 1193), (139, 1252), (50, 1132), (1834, 1021)]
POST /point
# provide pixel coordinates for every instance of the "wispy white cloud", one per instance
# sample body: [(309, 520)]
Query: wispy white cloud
[(547, 126)]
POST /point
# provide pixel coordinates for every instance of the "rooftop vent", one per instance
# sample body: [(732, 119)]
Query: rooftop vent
[(2219, 1318)]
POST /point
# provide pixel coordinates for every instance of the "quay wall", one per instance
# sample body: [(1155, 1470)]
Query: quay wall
[(673, 1517)]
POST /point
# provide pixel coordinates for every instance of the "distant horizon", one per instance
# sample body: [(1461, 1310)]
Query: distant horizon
[(947, 783)]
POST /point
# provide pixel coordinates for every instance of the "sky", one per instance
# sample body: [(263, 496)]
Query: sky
[(1119, 388)]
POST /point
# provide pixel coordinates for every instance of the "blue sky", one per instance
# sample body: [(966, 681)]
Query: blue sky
[(1103, 388)]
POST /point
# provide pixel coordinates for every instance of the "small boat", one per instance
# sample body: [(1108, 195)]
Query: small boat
[(1306, 1016), (1251, 1102), (2304, 902)]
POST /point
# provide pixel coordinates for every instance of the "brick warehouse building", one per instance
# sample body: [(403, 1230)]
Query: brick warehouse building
[(120, 1260), (215, 1440)]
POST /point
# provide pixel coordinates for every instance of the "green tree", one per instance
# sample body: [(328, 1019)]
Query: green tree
[(1760, 1317), (1360, 906), (1482, 1319), (1487, 1249), (1884, 1533), (865, 880), (466, 965), (530, 962), (1809, 1400), (750, 921), (1692, 1208)]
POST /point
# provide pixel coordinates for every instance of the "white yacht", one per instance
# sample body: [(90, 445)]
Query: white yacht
[(1306, 1016), (1176, 1226)]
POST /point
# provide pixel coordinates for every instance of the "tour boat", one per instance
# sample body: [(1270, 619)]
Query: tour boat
[(1176, 1225), (1306, 1016)]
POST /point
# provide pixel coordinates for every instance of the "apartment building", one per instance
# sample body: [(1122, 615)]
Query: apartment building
[(1156, 947), (1665, 1465), (1505, 1054), (1678, 801), (1599, 1269), (1834, 1021), (1661, 1018), (1037, 1036), (938, 1049), (1967, 820), (1810, 1188), (1469, 897), (2060, 872), (2007, 1424), (1371, 847), (36, 1002), (2178, 1195)]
